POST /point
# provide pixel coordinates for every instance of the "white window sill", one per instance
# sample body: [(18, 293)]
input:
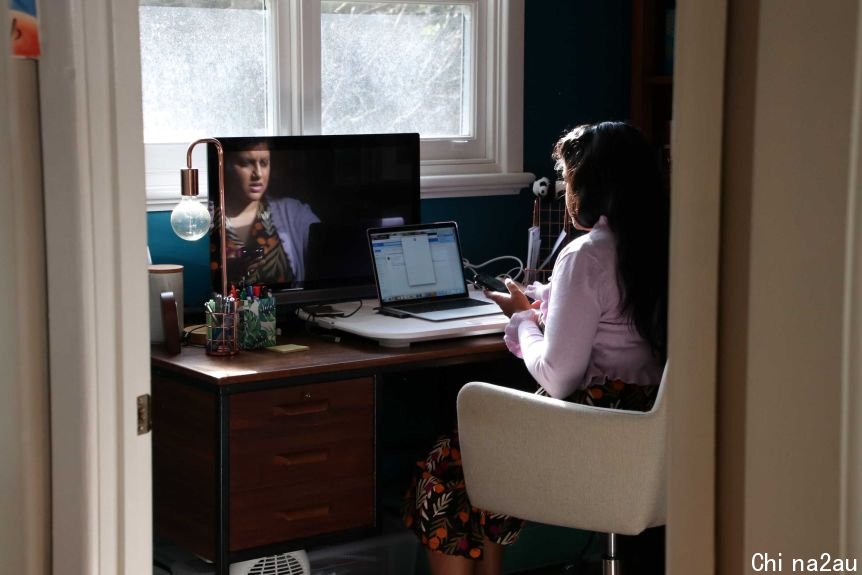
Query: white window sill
[(432, 187), (466, 185)]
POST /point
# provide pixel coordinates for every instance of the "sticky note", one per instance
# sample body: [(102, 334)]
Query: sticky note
[(288, 348)]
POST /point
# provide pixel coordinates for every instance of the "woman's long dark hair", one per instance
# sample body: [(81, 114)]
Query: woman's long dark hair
[(614, 172)]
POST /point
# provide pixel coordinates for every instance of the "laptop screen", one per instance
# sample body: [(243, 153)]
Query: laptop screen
[(417, 262)]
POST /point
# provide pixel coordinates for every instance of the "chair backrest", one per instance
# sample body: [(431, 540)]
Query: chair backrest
[(555, 462)]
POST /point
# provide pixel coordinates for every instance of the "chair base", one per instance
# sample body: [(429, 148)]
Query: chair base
[(610, 563)]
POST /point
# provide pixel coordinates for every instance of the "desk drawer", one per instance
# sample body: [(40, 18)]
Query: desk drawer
[(288, 462), (306, 408), (276, 514), (310, 433)]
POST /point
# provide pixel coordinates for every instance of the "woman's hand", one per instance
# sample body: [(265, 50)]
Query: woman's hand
[(511, 302)]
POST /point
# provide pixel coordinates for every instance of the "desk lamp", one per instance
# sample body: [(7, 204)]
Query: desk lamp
[(190, 220)]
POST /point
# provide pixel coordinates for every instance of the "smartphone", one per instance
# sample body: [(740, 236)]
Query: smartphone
[(489, 282)]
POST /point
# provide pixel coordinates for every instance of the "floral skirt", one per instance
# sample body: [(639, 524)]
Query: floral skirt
[(437, 508), (436, 505)]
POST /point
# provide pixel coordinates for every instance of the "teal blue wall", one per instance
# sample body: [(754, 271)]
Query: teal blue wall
[(576, 70), (167, 248)]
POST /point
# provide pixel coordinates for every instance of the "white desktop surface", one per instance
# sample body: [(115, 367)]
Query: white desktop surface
[(401, 332)]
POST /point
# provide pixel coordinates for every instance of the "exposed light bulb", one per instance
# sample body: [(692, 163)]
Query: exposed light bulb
[(190, 219)]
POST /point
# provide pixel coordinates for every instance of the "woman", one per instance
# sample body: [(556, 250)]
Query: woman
[(595, 334), (266, 237)]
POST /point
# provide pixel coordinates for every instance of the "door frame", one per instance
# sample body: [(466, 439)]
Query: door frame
[(696, 143), (95, 215), (99, 330)]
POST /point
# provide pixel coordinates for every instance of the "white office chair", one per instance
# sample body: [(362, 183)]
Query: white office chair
[(560, 463)]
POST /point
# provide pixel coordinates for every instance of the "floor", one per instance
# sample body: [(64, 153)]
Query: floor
[(640, 555), (569, 569)]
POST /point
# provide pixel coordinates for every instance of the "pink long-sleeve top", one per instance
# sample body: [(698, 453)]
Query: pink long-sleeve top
[(585, 336)]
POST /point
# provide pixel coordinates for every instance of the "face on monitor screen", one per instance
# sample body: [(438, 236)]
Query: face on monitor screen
[(297, 207)]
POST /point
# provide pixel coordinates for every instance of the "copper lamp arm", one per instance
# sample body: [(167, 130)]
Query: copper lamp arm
[(193, 184)]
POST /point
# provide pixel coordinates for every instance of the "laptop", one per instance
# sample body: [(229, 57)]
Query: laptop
[(418, 273)]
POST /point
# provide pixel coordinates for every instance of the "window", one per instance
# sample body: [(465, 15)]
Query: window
[(450, 70), (419, 79), (204, 70)]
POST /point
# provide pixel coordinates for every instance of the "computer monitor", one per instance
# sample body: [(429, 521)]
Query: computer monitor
[(298, 208)]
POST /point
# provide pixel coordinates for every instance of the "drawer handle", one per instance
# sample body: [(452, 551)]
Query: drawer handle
[(302, 457), (307, 513), (302, 408)]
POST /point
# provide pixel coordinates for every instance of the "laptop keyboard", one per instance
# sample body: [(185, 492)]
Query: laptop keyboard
[(441, 305)]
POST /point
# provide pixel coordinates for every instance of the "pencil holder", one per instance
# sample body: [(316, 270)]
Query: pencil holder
[(257, 323), (222, 333)]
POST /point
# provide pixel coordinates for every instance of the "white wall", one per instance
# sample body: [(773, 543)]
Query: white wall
[(781, 385), (788, 391)]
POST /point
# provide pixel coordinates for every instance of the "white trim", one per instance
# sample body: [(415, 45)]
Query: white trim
[(96, 251), (509, 137), (74, 443), (305, 45), (470, 117), (24, 405), (696, 144), (290, 121), (850, 530), (131, 279), (474, 185), (13, 558)]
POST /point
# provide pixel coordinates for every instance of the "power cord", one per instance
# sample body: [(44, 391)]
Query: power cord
[(513, 273), (313, 312), (359, 307), (310, 314), (195, 335)]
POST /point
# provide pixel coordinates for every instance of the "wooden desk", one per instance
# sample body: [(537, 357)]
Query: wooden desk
[(265, 452)]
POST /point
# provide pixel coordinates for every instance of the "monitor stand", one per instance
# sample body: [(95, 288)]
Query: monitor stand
[(400, 332)]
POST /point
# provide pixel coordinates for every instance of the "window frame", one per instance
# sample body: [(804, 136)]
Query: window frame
[(488, 164)]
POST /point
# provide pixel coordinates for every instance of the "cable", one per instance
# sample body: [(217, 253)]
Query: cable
[(315, 311), (359, 307), (518, 272), (467, 263), (520, 268), (310, 315)]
